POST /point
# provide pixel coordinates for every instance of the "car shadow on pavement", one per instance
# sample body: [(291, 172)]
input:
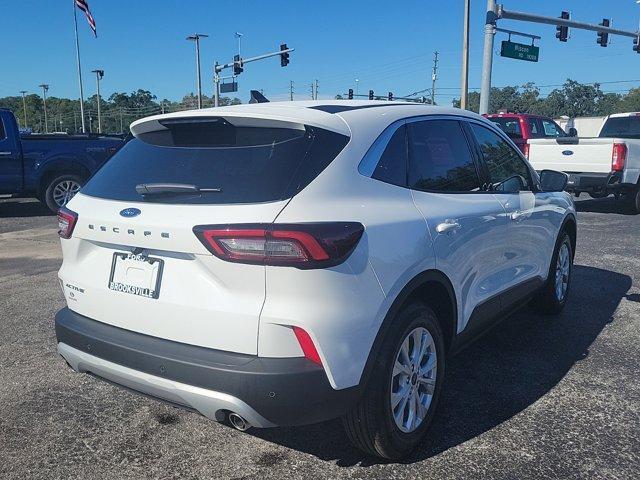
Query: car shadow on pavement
[(501, 374), (602, 205), (16, 208)]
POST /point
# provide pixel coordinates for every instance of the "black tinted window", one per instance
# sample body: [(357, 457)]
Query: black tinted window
[(439, 157), (392, 167), (507, 171), (622, 127), (2, 134), (247, 164), (510, 126)]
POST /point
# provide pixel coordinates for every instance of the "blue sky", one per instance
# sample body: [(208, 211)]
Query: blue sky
[(388, 46)]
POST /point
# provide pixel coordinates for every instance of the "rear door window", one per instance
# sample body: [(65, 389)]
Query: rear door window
[(510, 126), (439, 157), (239, 164)]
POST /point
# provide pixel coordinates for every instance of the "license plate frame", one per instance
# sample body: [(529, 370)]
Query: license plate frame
[(134, 289)]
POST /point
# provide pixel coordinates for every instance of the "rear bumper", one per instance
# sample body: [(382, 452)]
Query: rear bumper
[(265, 391), (596, 182)]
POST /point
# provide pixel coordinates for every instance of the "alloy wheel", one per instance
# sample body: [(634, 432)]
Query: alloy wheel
[(64, 191), (413, 380)]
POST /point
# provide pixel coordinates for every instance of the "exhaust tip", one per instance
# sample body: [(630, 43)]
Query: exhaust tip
[(238, 422)]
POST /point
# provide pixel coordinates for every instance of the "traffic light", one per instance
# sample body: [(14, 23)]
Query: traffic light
[(350, 94), (603, 37), (237, 65), (636, 44), (562, 31), (284, 56), (390, 96), (370, 94)]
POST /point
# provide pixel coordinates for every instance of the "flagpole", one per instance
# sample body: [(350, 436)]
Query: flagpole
[(75, 23)]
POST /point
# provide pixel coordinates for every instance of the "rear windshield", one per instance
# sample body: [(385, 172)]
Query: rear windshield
[(236, 164), (510, 126), (621, 127)]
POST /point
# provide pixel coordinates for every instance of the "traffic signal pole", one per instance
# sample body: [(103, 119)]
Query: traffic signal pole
[(217, 69), (496, 12)]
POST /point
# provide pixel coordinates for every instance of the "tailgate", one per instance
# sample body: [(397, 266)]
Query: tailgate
[(200, 299), (572, 154)]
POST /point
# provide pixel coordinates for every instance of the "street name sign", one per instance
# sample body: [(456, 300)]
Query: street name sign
[(519, 51)]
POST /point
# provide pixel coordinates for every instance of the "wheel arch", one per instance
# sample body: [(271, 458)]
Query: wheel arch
[(433, 288), (61, 167), (570, 226)]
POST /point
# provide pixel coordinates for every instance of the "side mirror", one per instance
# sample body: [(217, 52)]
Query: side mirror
[(572, 132), (553, 181)]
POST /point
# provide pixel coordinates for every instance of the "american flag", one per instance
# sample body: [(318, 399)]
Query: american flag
[(84, 6)]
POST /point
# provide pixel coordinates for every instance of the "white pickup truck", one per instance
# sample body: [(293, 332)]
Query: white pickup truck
[(607, 164)]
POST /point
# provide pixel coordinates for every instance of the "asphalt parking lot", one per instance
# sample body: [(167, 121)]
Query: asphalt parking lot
[(535, 398)]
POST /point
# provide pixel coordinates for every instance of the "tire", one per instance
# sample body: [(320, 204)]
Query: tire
[(550, 300), (371, 425), (632, 200), (54, 193)]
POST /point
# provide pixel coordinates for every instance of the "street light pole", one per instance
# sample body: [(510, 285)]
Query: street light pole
[(464, 84), (357, 82), (487, 56), (45, 87), (99, 75), (24, 106), (196, 38)]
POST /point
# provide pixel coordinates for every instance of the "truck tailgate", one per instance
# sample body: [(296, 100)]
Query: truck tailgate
[(572, 154)]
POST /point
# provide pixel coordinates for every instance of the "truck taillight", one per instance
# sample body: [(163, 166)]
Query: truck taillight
[(66, 222), (304, 245), (618, 157), (525, 150)]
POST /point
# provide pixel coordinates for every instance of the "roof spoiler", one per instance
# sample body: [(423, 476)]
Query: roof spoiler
[(257, 97)]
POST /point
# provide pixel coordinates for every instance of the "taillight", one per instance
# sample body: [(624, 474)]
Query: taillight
[(304, 245), (307, 346), (618, 157), (66, 222), (525, 150)]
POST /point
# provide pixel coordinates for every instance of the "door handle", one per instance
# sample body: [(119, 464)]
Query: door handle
[(447, 226), (4, 154), (517, 215)]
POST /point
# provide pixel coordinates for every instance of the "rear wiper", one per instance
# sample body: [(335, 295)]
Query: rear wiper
[(172, 188)]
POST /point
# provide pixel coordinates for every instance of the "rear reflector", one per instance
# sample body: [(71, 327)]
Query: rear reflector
[(618, 157), (308, 348), (304, 245), (66, 222)]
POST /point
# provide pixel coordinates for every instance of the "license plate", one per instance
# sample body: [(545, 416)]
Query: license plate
[(136, 274)]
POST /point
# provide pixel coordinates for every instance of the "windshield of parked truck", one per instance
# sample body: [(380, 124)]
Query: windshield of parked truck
[(621, 127)]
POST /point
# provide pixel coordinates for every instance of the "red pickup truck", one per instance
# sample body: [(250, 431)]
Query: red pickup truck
[(520, 127)]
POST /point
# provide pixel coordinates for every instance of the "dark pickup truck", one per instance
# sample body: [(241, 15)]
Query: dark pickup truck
[(51, 168)]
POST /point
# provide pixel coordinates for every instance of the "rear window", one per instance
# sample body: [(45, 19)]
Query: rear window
[(236, 164), (510, 126), (621, 127)]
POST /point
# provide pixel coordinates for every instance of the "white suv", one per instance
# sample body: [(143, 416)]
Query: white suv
[(287, 263)]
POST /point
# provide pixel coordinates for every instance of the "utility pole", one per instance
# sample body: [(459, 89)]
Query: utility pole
[(291, 90), (99, 75), (434, 76), (24, 106), (45, 87), (121, 126), (357, 82), (464, 83), (196, 38), (316, 89)]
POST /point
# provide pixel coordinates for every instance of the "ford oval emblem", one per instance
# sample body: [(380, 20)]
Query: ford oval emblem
[(567, 152), (130, 212)]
